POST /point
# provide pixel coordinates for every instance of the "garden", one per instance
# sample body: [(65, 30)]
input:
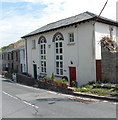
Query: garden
[(56, 82), (100, 89)]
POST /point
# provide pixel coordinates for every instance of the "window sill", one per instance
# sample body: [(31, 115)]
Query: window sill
[(71, 43), (33, 48), (43, 73), (58, 75)]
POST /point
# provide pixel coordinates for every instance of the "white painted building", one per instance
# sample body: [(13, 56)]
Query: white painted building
[(22, 59), (69, 47)]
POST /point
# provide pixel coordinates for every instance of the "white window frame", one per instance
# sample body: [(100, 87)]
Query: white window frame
[(59, 56), (71, 37), (43, 56)]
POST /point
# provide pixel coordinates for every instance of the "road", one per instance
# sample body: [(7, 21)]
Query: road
[(20, 101)]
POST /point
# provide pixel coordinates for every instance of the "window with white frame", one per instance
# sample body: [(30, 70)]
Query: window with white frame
[(71, 37), (33, 44), (43, 55), (59, 54)]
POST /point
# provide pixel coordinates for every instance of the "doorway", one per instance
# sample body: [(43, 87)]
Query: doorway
[(35, 71), (72, 71)]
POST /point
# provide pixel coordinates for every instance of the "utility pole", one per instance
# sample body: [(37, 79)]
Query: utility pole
[(101, 11)]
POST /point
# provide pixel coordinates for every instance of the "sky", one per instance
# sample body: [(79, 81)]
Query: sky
[(19, 17)]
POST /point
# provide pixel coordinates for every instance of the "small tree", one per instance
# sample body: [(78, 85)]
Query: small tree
[(109, 43), (52, 77)]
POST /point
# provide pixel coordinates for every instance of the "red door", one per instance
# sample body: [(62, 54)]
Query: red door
[(72, 75), (98, 70)]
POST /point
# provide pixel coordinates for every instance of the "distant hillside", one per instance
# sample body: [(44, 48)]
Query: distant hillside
[(16, 44)]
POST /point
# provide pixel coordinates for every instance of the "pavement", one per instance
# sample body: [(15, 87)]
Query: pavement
[(20, 101)]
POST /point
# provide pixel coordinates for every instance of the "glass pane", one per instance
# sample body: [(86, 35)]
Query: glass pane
[(44, 57), (57, 57), (57, 45), (57, 64), (57, 71), (60, 38), (56, 39), (45, 70), (61, 50), (41, 69), (41, 51), (44, 51), (41, 46), (61, 71), (61, 64), (41, 63), (44, 46), (60, 44), (44, 63), (56, 50), (61, 57)]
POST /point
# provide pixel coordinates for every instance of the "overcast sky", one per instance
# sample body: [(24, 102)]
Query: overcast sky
[(19, 17)]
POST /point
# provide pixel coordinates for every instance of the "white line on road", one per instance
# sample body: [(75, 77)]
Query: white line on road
[(28, 103)]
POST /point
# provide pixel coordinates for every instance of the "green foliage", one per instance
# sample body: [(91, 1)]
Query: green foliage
[(83, 89), (52, 77), (65, 78), (65, 82), (91, 82), (108, 86), (88, 86)]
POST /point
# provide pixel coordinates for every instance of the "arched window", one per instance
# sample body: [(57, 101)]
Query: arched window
[(58, 39), (42, 42)]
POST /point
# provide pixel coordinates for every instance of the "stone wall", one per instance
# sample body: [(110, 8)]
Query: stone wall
[(109, 66)]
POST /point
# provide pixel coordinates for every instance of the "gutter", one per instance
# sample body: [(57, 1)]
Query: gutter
[(101, 20)]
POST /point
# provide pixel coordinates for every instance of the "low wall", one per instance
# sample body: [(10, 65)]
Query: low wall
[(8, 75), (51, 87), (24, 79)]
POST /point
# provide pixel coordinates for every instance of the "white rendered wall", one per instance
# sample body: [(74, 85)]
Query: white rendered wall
[(102, 30), (81, 53)]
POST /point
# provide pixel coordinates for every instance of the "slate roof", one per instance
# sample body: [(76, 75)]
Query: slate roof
[(80, 18)]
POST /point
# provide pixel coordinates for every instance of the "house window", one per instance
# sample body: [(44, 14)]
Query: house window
[(59, 54), (43, 54), (71, 37), (33, 44)]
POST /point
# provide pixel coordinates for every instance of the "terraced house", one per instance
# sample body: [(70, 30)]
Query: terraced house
[(69, 47)]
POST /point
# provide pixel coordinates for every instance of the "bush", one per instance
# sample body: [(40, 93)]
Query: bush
[(88, 86), (100, 92), (83, 89), (91, 82), (65, 78), (52, 77), (96, 85), (108, 86)]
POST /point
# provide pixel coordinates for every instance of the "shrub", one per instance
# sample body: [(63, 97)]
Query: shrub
[(88, 86), (65, 78), (83, 89), (96, 85), (52, 77), (91, 82), (108, 86)]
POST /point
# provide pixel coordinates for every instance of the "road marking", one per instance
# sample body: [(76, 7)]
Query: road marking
[(28, 103), (10, 95)]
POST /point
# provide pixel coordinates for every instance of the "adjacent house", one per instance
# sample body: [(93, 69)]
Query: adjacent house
[(13, 58), (69, 47)]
